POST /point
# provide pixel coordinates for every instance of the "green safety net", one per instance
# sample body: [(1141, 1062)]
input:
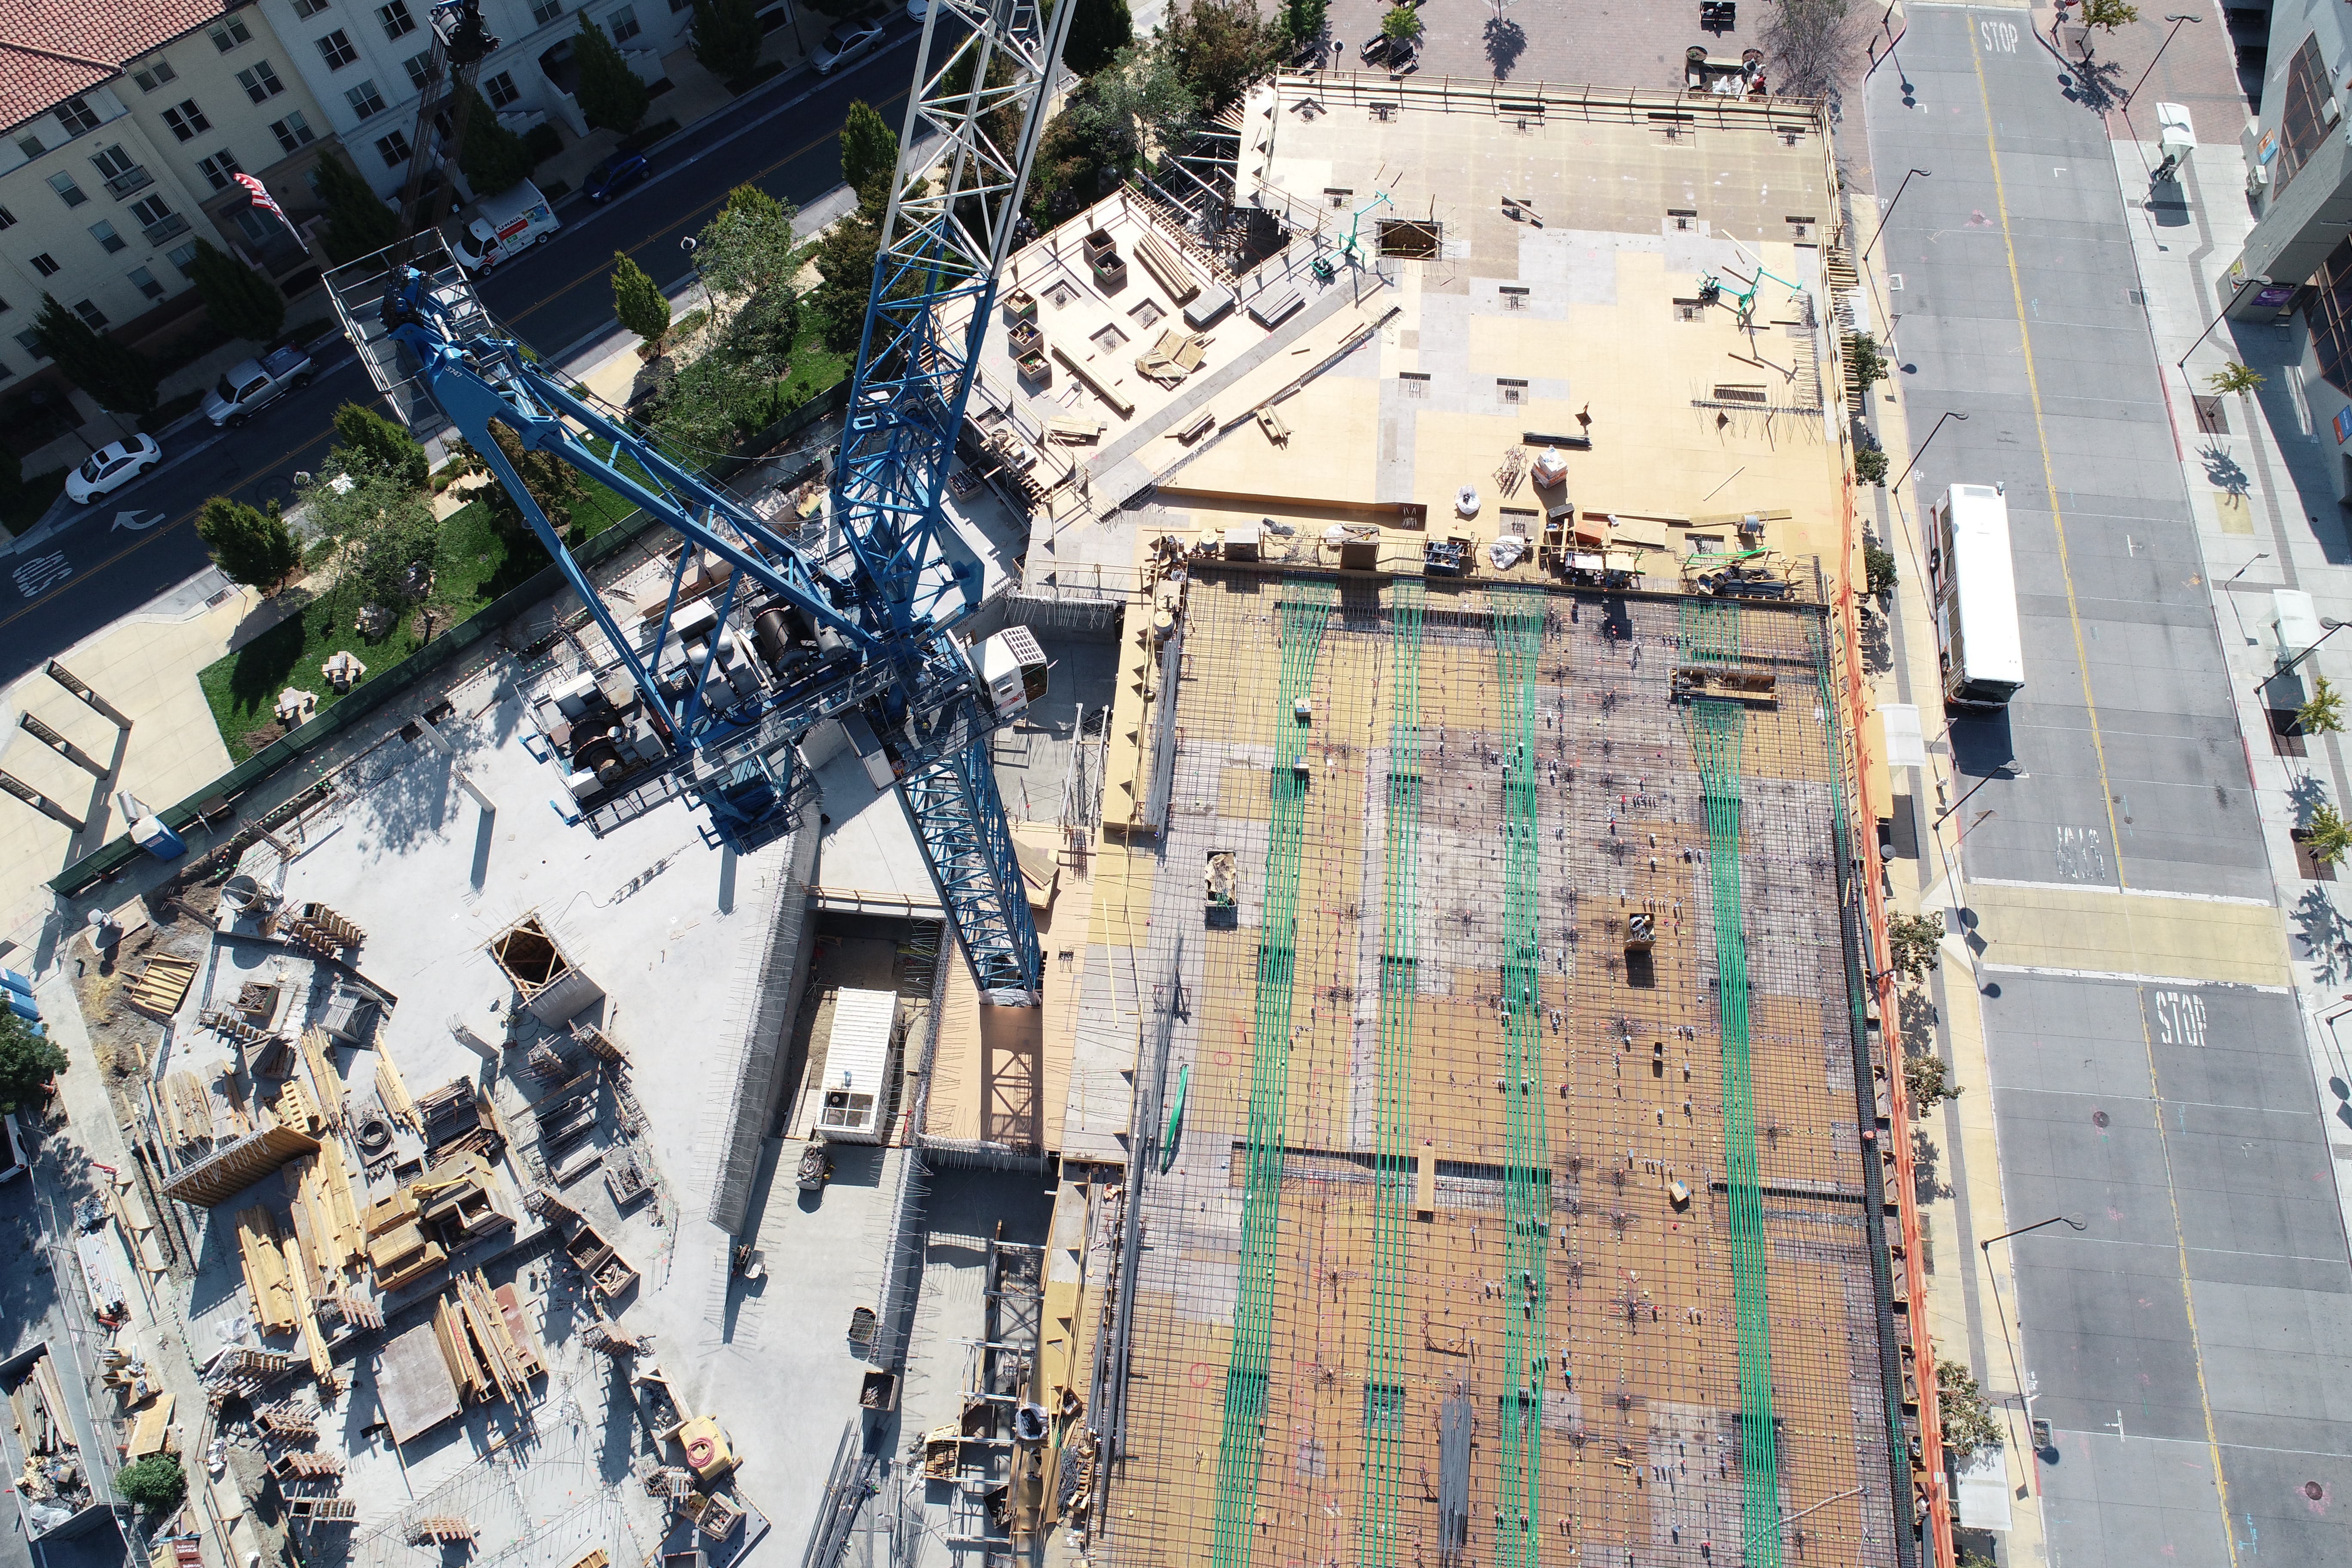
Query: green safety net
[(1300, 619), (1717, 731), (1391, 1232), (1518, 626)]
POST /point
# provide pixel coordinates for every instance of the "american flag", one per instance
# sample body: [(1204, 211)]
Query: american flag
[(268, 203)]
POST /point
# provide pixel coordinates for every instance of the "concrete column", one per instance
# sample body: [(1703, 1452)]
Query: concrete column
[(61, 746), (81, 688), (40, 802)]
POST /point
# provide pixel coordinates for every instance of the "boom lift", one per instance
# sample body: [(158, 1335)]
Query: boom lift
[(461, 42), (760, 638)]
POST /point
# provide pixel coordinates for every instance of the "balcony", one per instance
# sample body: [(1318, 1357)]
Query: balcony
[(157, 232), (134, 178)]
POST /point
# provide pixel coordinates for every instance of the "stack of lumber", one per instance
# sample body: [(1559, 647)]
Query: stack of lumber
[(489, 1352), (187, 1111), (162, 985), (1166, 270), (275, 1306)]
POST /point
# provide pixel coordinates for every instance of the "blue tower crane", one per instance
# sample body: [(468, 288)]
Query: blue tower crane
[(771, 640)]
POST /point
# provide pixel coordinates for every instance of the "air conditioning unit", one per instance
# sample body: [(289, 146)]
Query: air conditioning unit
[(2258, 178)]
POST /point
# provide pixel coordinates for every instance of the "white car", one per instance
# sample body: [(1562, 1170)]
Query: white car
[(112, 467), (844, 43), (917, 9)]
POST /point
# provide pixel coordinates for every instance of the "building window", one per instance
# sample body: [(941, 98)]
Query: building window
[(363, 99), (419, 66), (337, 47), (184, 258), (545, 11), (107, 239), (393, 149), (2331, 317), (67, 192), (46, 265), (30, 341), (149, 78), (30, 146), (113, 163), (397, 22), (2301, 131), (89, 311), (500, 90), (292, 132), (260, 81), (622, 25), (8, 218), (227, 36), (145, 282), (76, 117), (218, 168), (150, 210), (186, 121), (306, 9)]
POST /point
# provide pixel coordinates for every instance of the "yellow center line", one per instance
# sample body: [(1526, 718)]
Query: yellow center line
[(709, 206), (2049, 478), (150, 535), (2187, 1300), (2049, 468)]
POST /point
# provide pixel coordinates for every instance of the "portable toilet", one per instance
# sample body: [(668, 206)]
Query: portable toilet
[(150, 834)]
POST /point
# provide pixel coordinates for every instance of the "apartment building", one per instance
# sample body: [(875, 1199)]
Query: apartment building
[(365, 61), (125, 122)]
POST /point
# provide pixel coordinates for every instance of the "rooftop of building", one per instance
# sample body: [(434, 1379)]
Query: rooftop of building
[(52, 49)]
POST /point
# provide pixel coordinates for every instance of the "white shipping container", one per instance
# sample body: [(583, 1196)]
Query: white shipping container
[(859, 1060)]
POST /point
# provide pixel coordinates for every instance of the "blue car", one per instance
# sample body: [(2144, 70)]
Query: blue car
[(616, 175)]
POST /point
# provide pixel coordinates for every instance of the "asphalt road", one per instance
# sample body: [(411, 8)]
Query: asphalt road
[(141, 542), (2189, 1338)]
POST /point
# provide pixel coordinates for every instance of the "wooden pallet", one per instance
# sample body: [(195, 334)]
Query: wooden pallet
[(162, 985)]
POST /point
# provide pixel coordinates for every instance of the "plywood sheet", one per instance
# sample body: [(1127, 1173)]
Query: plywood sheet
[(413, 1386)]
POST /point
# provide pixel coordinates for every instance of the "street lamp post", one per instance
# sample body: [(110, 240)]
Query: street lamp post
[(1888, 211), (1985, 1246), (2333, 627), (2175, 21), (2007, 770), (1949, 413)]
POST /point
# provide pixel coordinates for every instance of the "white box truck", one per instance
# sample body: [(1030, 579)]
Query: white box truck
[(504, 224), (1974, 587)]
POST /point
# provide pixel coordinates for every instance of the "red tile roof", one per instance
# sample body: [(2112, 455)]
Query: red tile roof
[(52, 49)]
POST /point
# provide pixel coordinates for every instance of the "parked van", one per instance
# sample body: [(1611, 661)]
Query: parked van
[(506, 223)]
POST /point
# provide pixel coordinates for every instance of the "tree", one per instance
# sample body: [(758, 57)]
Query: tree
[(2234, 377), (1870, 465), (369, 446), (1220, 48), (28, 1062), (2109, 14), (748, 245), (1914, 941), (382, 535), (1877, 561), (869, 148), (155, 1483), (241, 301), (638, 302), (117, 379), (727, 36), (1811, 46), (551, 482), (1862, 353), (1968, 1423), (2326, 834), (611, 97), (2322, 712), (1099, 30), (1105, 130), (1306, 21), (492, 157), (1928, 1080), (252, 547), (1401, 25), (358, 223), (845, 263)]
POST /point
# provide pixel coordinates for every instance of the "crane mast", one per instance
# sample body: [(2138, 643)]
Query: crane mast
[(758, 640)]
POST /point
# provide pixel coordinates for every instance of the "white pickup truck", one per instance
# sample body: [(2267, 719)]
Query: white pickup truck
[(249, 384)]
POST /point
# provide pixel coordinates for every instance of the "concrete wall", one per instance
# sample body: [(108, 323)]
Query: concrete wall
[(2300, 224), (767, 1012)]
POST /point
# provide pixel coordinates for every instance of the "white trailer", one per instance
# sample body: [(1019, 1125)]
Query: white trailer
[(1978, 645)]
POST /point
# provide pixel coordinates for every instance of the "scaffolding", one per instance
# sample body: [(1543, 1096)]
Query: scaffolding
[(1450, 1238)]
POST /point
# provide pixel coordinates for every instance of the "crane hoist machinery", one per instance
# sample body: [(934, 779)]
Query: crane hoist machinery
[(708, 689)]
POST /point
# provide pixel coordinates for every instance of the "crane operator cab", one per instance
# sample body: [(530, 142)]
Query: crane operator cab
[(1013, 668)]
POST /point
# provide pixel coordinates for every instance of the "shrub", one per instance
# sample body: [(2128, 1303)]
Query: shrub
[(1969, 1424), (1914, 940), (611, 97), (28, 1062), (249, 546), (155, 1483), (727, 36), (543, 141), (369, 445), (1878, 566), (1928, 1080)]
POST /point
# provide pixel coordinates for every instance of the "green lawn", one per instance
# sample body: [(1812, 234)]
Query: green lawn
[(243, 687)]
